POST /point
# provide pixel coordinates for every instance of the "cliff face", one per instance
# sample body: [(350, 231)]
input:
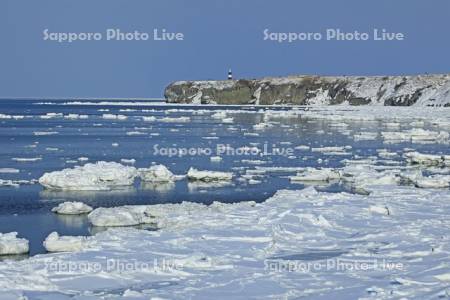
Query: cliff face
[(423, 90)]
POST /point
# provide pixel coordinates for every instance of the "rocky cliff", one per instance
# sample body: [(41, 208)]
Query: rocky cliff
[(420, 90)]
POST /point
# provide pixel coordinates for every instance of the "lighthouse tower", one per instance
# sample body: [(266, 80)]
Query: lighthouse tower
[(230, 75)]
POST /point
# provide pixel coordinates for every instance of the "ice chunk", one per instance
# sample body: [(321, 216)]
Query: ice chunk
[(311, 174), (51, 115), (10, 244), (157, 173), (75, 116), (72, 208), (219, 115), (332, 150), (114, 117), (119, 216), (8, 182), (227, 120), (23, 159), (194, 174), (365, 136), (16, 183), (175, 120), (434, 181), (262, 126), (131, 161), (427, 159), (149, 119), (39, 133), (302, 148), (254, 181), (9, 170), (56, 243), (415, 136), (380, 209), (99, 176)]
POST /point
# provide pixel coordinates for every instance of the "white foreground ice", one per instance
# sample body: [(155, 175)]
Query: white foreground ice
[(389, 244), (99, 176), (72, 208), (120, 216), (10, 244), (56, 243)]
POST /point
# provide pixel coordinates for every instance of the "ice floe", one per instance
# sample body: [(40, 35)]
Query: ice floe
[(10, 244), (15, 117), (262, 126), (51, 115), (120, 216), (433, 181), (312, 174), (333, 150), (99, 176), (156, 173), (72, 208), (16, 183), (175, 120), (130, 161), (149, 119), (26, 159), (56, 243), (415, 136), (114, 117), (9, 170), (215, 158), (415, 157), (194, 174), (43, 133), (75, 116)]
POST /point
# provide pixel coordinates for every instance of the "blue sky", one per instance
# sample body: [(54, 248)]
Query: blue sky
[(218, 35)]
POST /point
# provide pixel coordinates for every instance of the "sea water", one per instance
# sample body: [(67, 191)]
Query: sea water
[(80, 133)]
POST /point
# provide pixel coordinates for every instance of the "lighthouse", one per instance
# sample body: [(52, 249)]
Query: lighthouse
[(230, 74)]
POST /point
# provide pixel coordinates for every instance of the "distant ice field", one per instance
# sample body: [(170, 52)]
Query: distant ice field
[(262, 146)]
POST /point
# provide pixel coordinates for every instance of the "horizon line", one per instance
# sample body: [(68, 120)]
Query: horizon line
[(84, 98)]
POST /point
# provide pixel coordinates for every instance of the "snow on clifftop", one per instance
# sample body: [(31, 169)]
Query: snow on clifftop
[(419, 90)]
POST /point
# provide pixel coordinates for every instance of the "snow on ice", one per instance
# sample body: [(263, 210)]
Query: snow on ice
[(72, 208), (99, 176), (56, 243), (10, 244)]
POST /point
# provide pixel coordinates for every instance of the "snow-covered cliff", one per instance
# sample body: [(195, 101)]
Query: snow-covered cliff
[(420, 90)]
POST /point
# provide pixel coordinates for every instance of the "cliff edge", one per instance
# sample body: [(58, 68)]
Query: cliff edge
[(420, 90)]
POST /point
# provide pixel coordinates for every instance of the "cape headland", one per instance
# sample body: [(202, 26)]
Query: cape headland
[(419, 90)]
